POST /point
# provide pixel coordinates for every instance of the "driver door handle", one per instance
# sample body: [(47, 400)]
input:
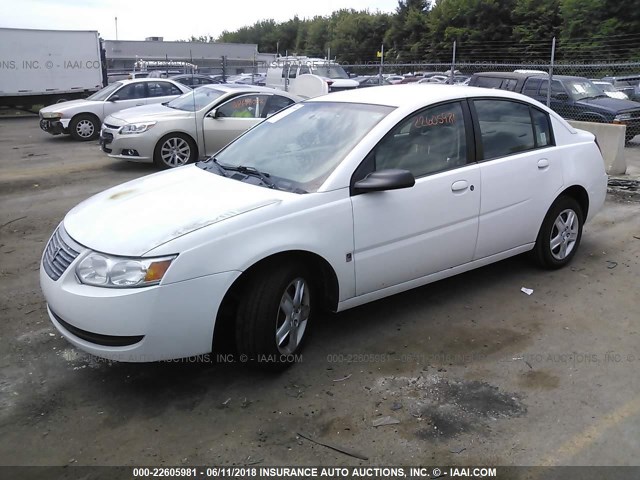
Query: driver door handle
[(459, 186)]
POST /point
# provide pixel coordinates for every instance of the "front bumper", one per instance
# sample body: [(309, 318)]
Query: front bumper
[(134, 148), (52, 126), (136, 324)]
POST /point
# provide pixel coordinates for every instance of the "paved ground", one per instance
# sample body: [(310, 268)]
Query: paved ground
[(474, 370)]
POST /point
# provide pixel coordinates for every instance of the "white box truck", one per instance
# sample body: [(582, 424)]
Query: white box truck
[(42, 67)]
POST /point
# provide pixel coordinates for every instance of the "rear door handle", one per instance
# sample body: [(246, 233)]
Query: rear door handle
[(543, 163), (459, 186)]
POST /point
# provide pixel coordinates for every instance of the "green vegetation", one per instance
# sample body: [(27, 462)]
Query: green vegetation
[(485, 30)]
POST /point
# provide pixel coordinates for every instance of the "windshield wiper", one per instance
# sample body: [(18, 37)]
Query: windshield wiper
[(244, 169), (264, 176)]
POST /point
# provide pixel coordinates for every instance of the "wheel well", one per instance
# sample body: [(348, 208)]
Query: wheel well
[(326, 282), (579, 194), (88, 114)]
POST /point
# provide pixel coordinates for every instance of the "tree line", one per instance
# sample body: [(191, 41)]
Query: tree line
[(484, 30)]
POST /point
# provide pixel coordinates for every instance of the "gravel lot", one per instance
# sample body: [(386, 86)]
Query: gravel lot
[(474, 370)]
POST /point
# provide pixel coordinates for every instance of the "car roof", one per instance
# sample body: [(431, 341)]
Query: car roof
[(412, 94), (234, 87), (506, 75), (148, 80)]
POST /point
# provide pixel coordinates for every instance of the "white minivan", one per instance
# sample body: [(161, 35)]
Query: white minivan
[(288, 73)]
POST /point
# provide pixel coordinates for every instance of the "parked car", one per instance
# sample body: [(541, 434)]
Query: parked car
[(370, 81), (193, 80), (82, 118), (609, 90), (395, 79), (575, 98), (198, 123), (627, 84), (435, 79), (247, 247)]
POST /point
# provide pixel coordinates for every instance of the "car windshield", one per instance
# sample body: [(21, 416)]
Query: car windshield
[(329, 71), (103, 94), (605, 87), (300, 147), (195, 99), (580, 89)]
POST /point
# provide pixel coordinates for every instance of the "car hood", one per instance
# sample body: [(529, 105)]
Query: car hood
[(148, 112), (71, 105), (611, 104), (138, 216)]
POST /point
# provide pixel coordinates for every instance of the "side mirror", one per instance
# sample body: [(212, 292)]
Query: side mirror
[(213, 113), (560, 96), (114, 98), (391, 179)]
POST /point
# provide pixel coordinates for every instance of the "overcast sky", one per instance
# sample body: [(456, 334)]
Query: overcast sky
[(171, 19)]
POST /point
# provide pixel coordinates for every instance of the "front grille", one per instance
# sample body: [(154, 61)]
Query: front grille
[(112, 127), (59, 254)]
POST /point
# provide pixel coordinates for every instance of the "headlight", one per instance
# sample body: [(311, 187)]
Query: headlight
[(117, 272), (623, 117), (51, 115), (135, 128)]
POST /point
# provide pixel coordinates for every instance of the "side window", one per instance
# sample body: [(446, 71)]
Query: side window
[(247, 106), (531, 87), (132, 91), (162, 89), (304, 69), (505, 127), (427, 142), (489, 82), (275, 104), (509, 84), (541, 127), (556, 87), (292, 71)]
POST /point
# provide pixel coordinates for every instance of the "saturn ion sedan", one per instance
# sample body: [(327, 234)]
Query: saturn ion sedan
[(198, 123), (82, 118), (286, 221)]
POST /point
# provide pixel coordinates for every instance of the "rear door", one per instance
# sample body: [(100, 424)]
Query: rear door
[(161, 91), (130, 95), (521, 172)]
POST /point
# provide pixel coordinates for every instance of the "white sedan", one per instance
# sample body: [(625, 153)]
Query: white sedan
[(198, 123), (82, 118), (247, 246)]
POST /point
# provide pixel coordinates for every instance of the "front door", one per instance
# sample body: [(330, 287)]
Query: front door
[(402, 235)]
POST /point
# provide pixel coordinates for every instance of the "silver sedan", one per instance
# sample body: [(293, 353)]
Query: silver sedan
[(196, 124)]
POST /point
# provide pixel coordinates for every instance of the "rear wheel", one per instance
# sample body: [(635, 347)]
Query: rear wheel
[(273, 316), (84, 127), (560, 234), (174, 150)]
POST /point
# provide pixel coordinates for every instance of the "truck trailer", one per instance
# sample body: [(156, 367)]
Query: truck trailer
[(42, 67)]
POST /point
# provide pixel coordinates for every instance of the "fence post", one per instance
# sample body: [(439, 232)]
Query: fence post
[(453, 62), (224, 69), (553, 55)]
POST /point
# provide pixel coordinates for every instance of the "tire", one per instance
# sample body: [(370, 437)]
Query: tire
[(84, 127), (174, 150), (273, 318), (560, 234)]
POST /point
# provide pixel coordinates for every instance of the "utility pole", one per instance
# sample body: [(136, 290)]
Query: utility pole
[(453, 62), (116, 28)]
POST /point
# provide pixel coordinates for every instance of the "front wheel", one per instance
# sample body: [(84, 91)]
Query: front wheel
[(273, 318), (84, 127), (174, 150), (560, 234)]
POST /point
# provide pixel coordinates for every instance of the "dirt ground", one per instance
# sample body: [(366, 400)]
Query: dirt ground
[(470, 370)]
